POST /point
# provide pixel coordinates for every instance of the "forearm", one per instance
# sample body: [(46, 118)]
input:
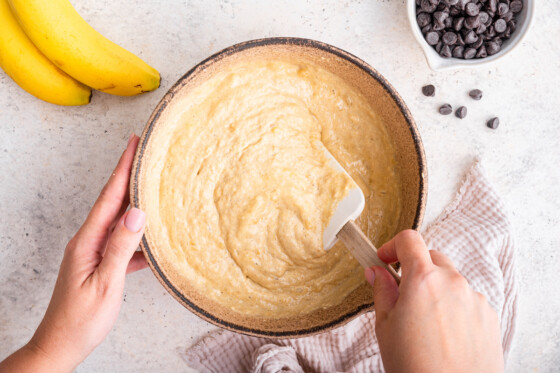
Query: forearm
[(32, 359)]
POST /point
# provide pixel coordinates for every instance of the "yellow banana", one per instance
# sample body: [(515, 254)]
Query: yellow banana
[(29, 68), (57, 29)]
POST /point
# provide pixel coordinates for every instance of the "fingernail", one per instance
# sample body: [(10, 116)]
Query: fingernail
[(135, 219), (370, 275), (130, 138)]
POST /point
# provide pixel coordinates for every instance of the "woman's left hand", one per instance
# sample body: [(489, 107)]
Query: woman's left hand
[(88, 293)]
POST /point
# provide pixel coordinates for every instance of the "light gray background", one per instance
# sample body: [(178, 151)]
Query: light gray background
[(54, 160)]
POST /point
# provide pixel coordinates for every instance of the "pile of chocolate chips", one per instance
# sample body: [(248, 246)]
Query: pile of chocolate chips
[(467, 28)]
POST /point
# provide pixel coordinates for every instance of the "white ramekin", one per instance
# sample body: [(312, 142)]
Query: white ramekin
[(438, 63)]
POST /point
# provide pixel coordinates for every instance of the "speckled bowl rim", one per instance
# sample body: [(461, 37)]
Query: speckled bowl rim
[(137, 166)]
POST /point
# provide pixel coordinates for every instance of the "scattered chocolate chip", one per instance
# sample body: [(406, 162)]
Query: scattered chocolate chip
[(429, 90), (493, 123), (500, 26), (449, 38), (469, 53), (476, 94), (445, 109), (461, 112), (516, 6), (471, 9)]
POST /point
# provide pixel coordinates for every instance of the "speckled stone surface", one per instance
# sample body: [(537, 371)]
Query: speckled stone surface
[(54, 160)]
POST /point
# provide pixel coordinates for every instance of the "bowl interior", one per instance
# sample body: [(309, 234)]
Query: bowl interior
[(436, 62), (381, 96)]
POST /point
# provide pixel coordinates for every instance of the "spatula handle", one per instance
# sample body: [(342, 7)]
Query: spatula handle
[(362, 249)]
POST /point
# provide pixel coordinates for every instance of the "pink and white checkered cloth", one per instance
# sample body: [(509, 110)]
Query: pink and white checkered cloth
[(473, 231)]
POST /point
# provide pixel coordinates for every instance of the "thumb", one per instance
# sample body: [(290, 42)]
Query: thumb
[(123, 243), (385, 291)]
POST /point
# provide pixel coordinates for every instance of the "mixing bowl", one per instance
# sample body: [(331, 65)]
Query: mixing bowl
[(382, 97)]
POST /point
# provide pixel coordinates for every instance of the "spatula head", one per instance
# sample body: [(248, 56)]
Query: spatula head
[(348, 209)]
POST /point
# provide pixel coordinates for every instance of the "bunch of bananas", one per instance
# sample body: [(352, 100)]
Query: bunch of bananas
[(52, 53)]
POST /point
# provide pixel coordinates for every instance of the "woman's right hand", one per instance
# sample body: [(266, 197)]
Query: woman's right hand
[(433, 322)]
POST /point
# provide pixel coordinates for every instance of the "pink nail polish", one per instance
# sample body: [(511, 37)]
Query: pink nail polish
[(134, 220), (370, 275)]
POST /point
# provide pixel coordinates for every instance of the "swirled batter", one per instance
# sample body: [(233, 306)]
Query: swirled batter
[(246, 191)]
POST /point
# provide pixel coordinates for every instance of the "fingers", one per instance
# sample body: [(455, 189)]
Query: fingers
[(408, 248), (111, 200), (385, 291), (122, 245), (441, 260), (137, 262)]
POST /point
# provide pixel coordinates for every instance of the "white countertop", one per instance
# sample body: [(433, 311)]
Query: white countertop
[(54, 160)]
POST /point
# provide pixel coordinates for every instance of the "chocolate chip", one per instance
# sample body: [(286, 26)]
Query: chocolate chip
[(493, 47), (480, 29), (445, 51), (476, 94), (429, 90), (483, 17), (492, 6), (512, 25), (461, 112), (462, 4), (439, 17), (460, 40), (454, 11), (432, 37), (439, 46), (472, 22), (449, 38), (458, 51), (477, 43), (493, 123), (481, 52), (426, 29), (500, 26), (458, 23), (445, 109), (516, 6), (451, 2), (503, 8), (471, 37), (471, 9), (508, 16), (423, 19), (442, 7), (448, 23), (427, 6), (469, 53)]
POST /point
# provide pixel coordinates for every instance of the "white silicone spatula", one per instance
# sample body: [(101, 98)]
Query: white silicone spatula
[(342, 226)]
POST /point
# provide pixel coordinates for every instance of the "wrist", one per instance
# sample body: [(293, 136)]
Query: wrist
[(49, 358)]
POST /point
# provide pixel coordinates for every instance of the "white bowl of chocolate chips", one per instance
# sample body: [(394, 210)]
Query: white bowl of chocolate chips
[(468, 33)]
